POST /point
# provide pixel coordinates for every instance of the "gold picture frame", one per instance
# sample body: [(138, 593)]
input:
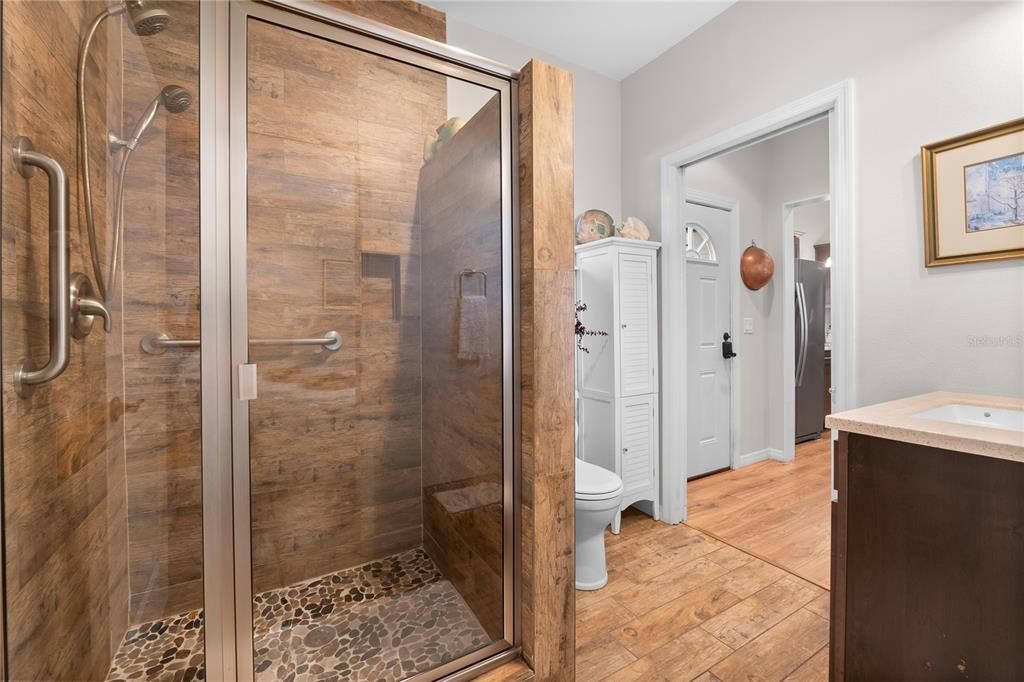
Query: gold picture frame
[(973, 190)]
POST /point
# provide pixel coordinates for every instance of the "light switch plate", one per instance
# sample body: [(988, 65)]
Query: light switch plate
[(748, 325)]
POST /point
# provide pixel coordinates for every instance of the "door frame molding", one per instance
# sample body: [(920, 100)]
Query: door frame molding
[(733, 208), (788, 394), (836, 102)]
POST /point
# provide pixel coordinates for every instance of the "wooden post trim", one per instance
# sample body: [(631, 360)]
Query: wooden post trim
[(548, 471)]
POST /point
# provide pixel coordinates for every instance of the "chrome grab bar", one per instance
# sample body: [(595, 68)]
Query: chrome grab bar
[(330, 341), (157, 343), (26, 375)]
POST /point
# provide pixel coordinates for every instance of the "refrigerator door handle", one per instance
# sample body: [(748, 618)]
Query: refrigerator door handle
[(806, 333), (804, 328), (800, 333)]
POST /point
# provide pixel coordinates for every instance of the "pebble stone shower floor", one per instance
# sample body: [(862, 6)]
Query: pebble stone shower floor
[(381, 621)]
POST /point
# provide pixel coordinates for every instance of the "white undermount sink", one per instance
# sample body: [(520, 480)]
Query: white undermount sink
[(976, 415)]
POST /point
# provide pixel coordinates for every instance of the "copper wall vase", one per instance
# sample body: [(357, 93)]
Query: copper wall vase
[(756, 267)]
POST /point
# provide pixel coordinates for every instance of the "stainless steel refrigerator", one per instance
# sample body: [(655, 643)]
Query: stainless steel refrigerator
[(810, 348)]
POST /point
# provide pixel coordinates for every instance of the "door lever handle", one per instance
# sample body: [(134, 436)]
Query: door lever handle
[(727, 351)]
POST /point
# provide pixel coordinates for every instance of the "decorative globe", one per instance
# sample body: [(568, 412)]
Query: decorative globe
[(593, 225)]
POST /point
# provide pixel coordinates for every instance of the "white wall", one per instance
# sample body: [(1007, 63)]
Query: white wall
[(922, 72), (810, 222), (597, 120), (761, 178)]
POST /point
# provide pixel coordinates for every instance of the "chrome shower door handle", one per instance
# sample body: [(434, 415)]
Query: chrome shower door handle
[(26, 160)]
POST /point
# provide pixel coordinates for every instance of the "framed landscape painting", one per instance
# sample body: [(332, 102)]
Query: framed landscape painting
[(974, 196)]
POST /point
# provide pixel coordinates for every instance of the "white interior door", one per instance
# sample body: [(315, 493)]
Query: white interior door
[(709, 273)]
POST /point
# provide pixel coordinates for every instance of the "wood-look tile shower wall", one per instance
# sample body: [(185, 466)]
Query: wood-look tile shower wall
[(63, 455), (335, 144)]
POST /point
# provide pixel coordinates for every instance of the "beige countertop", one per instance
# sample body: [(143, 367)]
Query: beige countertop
[(894, 420)]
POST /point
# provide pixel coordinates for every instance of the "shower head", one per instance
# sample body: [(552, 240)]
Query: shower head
[(145, 18), (175, 99)]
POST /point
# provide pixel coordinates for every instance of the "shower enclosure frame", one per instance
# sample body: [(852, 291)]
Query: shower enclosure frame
[(227, 559)]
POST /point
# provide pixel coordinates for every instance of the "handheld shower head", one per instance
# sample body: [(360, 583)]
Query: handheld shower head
[(145, 18), (174, 98)]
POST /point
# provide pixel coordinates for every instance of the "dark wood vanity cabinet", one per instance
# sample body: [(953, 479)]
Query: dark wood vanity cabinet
[(927, 564)]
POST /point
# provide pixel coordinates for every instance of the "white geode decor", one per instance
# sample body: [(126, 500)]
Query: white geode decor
[(633, 228)]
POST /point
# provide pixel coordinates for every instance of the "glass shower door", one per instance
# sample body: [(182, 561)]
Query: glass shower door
[(373, 344)]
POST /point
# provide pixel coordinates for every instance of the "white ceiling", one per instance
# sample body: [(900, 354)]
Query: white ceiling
[(612, 38)]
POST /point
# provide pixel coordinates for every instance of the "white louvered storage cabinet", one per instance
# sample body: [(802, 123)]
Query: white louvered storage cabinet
[(617, 379)]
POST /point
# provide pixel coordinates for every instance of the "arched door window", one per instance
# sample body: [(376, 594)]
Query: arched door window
[(699, 245)]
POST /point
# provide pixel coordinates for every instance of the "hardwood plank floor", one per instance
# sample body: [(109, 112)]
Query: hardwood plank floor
[(778, 511), (682, 605)]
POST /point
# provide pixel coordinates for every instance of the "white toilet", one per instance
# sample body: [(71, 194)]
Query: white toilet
[(598, 493)]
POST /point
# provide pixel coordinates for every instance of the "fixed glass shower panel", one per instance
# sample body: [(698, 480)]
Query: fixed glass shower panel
[(102, 493), (375, 352)]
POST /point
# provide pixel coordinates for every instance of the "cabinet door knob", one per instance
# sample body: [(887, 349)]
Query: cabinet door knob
[(625, 449), (623, 325)]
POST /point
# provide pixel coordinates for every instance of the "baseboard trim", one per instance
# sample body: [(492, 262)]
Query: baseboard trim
[(760, 456)]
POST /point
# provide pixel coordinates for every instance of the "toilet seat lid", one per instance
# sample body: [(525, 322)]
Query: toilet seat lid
[(594, 480)]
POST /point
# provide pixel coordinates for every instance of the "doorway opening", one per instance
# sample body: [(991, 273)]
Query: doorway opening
[(751, 492), (789, 348)]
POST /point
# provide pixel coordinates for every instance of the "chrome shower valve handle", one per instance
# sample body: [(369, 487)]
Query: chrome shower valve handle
[(86, 307)]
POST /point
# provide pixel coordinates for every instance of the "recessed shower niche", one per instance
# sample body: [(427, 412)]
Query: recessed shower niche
[(382, 279), (292, 455)]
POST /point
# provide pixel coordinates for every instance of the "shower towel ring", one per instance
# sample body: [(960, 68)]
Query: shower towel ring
[(470, 273)]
